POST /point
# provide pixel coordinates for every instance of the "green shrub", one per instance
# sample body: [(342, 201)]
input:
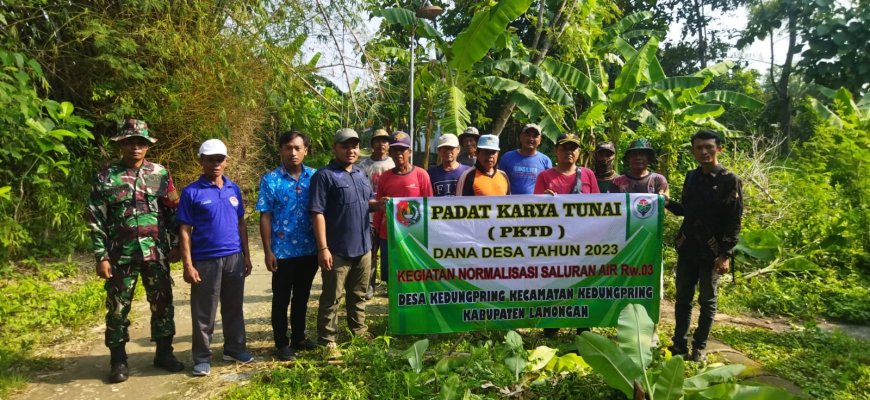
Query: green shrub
[(825, 365), (41, 304)]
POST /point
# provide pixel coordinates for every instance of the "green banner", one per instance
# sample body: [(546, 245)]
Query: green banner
[(568, 261)]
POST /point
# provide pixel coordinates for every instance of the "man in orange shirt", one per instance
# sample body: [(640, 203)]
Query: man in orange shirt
[(484, 179)]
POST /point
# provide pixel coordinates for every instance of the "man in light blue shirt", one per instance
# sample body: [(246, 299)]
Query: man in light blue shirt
[(523, 165), (288, 241)]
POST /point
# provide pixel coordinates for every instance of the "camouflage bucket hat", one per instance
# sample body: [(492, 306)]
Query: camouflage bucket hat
[(134, 127), (642, 144)]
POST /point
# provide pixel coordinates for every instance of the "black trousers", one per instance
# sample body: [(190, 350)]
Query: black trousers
[(695, 273), (292, 279)]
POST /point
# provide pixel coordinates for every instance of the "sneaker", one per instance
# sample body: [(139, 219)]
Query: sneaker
[(678, 351), (285, 353), (303, 345), (331, 351), (698, 355), (242, 358), (370, 292), (201, 369)]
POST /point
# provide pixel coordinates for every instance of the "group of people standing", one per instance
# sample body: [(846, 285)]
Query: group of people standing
[(333, 219)]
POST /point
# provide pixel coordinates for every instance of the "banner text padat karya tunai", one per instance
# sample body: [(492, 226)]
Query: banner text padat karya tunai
[(567, 261)]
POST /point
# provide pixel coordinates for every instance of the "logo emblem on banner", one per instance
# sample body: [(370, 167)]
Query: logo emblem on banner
[(643, 207), (408, 212)]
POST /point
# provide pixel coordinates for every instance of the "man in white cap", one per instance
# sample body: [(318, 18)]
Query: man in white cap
[(214, 246), (341, 199), (445, 176), (484, 179), (524, 164), (468, 139)]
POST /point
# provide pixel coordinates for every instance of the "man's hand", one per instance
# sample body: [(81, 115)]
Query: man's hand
[(191, 275), (271, 261), (550, 192), (248, 266), (104, 269), (722, 264), (324, 259), (174, 255)]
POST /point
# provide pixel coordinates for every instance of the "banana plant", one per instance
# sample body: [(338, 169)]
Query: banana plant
[(627, 365), (447, 92)]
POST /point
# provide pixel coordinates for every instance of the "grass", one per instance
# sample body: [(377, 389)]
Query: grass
[(825, 365), (804, 298), (379, 370), (41, 304)]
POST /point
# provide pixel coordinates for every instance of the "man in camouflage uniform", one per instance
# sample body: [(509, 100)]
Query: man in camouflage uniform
[(132, 221)]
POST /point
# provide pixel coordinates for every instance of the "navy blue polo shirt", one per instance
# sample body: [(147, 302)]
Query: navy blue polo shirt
[(214, 214), (343, 199)]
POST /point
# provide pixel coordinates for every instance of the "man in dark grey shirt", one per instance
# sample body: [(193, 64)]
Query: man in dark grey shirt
[(712, 206), (341, 198)]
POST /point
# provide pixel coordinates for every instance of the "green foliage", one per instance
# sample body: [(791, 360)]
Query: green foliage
[(625, 368), (472, 44), (41, 304), (843, 297), (825, 365), (38, 140), (414, 354)]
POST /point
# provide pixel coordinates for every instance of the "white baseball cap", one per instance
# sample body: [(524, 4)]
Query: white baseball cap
[(448, 139), (212, 147)]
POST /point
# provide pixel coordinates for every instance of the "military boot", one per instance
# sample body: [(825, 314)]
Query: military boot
[(118, 362), (164, 358)]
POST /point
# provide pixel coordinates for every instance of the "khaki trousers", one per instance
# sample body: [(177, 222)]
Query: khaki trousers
[(351, 276)]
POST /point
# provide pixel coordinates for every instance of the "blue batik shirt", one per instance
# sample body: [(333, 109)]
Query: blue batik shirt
[(287, 199)]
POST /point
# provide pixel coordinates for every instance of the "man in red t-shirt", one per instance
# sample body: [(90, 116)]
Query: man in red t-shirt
[(564, 178), (405, 180)]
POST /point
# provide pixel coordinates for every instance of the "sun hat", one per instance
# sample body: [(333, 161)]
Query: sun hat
[(134, 127)]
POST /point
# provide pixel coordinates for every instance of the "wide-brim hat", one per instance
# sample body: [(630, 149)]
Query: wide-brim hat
[(642, 144), (488, 142), (380, 133), (134, 127)]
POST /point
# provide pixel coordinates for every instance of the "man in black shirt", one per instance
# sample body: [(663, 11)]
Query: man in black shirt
[(712, 204)]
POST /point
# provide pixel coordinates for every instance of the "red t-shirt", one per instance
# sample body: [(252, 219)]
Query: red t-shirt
[(563, 184), (413, 184)]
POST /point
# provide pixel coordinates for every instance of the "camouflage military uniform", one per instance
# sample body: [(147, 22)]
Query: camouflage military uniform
[(132, 220)]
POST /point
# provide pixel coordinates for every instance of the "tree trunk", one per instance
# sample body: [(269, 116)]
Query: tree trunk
[(784, 106)]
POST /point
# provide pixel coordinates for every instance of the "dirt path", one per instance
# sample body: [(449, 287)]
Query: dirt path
[(84, 363)]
